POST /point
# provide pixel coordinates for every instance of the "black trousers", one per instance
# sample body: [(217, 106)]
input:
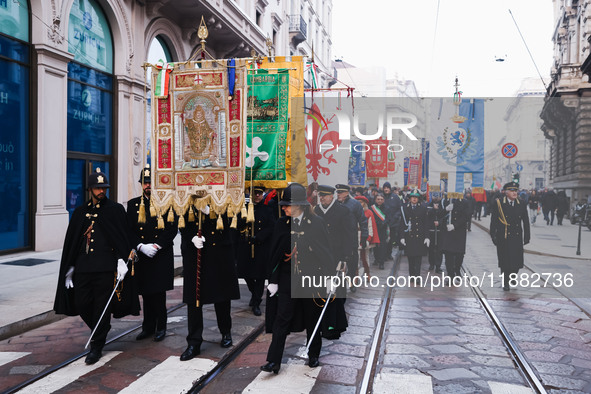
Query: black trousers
[(453, 263), (506, 277), (92, 291), (195, 320), (435, 257), (154, 312), (286, 309), (256, 286), (414, 265)]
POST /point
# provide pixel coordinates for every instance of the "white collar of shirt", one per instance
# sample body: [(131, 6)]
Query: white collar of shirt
[(324, 210), (299, 218)]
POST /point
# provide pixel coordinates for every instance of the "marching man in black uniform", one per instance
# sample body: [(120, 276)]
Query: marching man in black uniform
[(507, 232), (453, 242), (414, 232), (342, 233), (95, 247), (253, 249), (434, 212), (300, 248), (216, 282), (155, 268)]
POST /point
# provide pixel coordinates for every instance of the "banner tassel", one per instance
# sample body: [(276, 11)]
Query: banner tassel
[(152, 209), (160, 222), (141, 217), (191, 214), (220, 223), (181, 221), (170, 218), (250, 214)]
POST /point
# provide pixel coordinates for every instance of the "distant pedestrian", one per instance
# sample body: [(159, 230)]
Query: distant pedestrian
[(470, 206), (93, 255), (533, 206), (373, 238), (509, 231), (380, 252), (549, 203), (561, 206)]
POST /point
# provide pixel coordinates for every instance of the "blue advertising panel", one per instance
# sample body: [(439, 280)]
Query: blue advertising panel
[(89, 36), (14, 147)]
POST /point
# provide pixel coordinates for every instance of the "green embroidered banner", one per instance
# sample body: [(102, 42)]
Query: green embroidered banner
[(268, 126)]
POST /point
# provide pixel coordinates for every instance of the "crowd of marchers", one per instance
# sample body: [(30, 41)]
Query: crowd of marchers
[(111, 255)]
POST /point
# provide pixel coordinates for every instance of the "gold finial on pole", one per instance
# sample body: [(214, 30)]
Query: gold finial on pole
[(202, 33), (269, 45)]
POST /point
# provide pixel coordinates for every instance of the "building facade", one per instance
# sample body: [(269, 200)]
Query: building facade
[(567, 109), (73, 91)]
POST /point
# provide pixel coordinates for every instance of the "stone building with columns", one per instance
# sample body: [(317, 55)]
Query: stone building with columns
[(73, 90), (566, 113)]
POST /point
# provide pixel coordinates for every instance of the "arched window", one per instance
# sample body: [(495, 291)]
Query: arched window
[(15, 71), (90, 99), (158, 51)]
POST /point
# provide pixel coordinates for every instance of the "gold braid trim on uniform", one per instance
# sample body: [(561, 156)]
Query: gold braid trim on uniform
[(502, 218)]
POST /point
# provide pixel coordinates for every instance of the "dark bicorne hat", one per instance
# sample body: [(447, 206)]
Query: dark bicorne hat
[(343, 188), (98, 179), (324, 190), (258, 189), (146, 175), (415, 193), (511, 186), (294, 194)]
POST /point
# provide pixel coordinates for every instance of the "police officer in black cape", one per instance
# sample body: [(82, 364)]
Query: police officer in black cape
[(509, 231), (253, 248), (155, 268), (93, 259), (414, 233), (300, 248)]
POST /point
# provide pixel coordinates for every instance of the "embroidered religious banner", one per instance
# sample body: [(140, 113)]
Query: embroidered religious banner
[(295, 160), (199, 135), (376, 158), (268, 128)]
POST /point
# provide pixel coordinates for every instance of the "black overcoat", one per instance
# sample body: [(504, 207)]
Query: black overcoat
[(155, 274), (454, 241), (418, 232), (110, 224), (247, 265), (509, 230), (218, 279), (342, 230)]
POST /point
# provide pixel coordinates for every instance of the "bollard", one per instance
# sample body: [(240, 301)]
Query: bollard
[(579, 241)]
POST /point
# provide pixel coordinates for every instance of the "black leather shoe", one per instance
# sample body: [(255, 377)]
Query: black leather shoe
[(94, 355), (159, 335), (271, 367), (190, 353), (313, 362), (256, 310), (226, 340), (143, 335)]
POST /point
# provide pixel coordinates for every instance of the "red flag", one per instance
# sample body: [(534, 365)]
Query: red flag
[(376, 158)]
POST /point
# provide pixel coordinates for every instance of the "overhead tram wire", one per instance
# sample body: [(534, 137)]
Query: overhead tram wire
[(433, 46), (528, 51)]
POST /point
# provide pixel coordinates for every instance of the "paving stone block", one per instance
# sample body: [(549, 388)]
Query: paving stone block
[(338, 374), (553, 368), (447, 349), (499, 374), (405, 330), (405, 349), (489, 350), (492, 361), (404, 322), (345, 361), (453, 374), (444, 360), (563, 382), (478, 330), (535, 355), (439, 322), (406, 339), (405, 361), (441, 330)]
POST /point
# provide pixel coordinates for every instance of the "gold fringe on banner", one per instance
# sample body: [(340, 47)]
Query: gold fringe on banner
[(182, 221), (152, 208), (170, 218), (141, 217), (212, 214), (191, 215), (220, 223), (234, 222), (250, 214), (160, 222), (243, 212)]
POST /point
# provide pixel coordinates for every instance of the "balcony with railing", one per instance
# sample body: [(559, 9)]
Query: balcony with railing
[(298, 29)]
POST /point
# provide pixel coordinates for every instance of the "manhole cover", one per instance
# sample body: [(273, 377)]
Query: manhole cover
[(27, 262)]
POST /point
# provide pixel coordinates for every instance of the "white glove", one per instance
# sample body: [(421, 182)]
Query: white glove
[(69, 282), (148, 249), (403, 242), (198, 241), (205, 210), (273, 287), (450, 207), (450, 227), (121, 269), (330, 288), (427, 242)]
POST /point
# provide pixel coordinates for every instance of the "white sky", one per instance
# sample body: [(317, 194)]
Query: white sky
[(400, 36)]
